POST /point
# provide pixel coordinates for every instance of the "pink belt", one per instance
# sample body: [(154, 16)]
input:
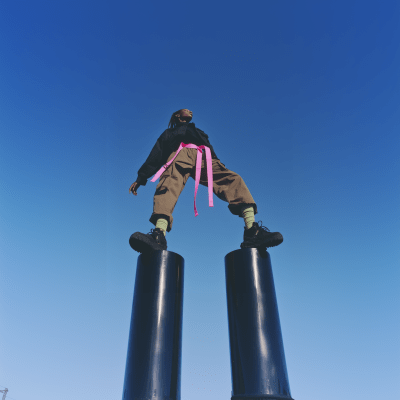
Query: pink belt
[(198, 171)]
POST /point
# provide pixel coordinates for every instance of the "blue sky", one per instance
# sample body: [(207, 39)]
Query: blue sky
[(300, 98)]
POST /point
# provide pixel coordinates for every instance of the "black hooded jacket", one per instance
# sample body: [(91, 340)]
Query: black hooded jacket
[(169, 142)]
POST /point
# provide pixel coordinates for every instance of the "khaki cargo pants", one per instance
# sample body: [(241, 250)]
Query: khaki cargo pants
[(227, 185)]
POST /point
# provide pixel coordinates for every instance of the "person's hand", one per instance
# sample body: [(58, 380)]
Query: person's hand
[(134, 188)]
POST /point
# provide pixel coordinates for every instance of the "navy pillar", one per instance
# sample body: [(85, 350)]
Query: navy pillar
[(257, 358), (153, 362)]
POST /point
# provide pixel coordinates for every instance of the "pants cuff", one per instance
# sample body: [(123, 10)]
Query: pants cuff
[(236, 209)]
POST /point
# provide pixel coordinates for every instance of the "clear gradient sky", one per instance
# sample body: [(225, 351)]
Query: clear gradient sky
[(301, 98)]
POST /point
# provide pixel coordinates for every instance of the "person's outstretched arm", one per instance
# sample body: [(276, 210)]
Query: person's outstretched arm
[(153, 163)]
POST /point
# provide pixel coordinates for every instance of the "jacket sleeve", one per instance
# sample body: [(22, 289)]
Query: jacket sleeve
[(154, 161)]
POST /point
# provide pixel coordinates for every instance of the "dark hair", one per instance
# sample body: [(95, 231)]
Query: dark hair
[(174, 120)]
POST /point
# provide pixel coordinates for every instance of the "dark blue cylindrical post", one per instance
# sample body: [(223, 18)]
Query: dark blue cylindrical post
[(153, 362), (258, 363)]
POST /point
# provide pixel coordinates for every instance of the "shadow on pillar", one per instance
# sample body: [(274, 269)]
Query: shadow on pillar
[(153, 362), (258, 363)]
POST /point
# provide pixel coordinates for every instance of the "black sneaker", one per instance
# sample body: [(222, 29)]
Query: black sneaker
[(154, 240), (260, 236)]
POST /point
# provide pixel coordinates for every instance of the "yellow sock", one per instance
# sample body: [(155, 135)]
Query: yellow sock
[(162, 224), (248, 215)]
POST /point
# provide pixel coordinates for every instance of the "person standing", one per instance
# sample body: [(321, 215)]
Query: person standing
[(178, 155)]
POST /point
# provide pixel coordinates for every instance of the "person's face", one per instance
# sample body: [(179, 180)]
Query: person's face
[(185, 115)]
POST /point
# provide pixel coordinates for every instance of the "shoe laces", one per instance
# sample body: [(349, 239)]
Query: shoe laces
[(152, 232), (156, 231), (262, 227)]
